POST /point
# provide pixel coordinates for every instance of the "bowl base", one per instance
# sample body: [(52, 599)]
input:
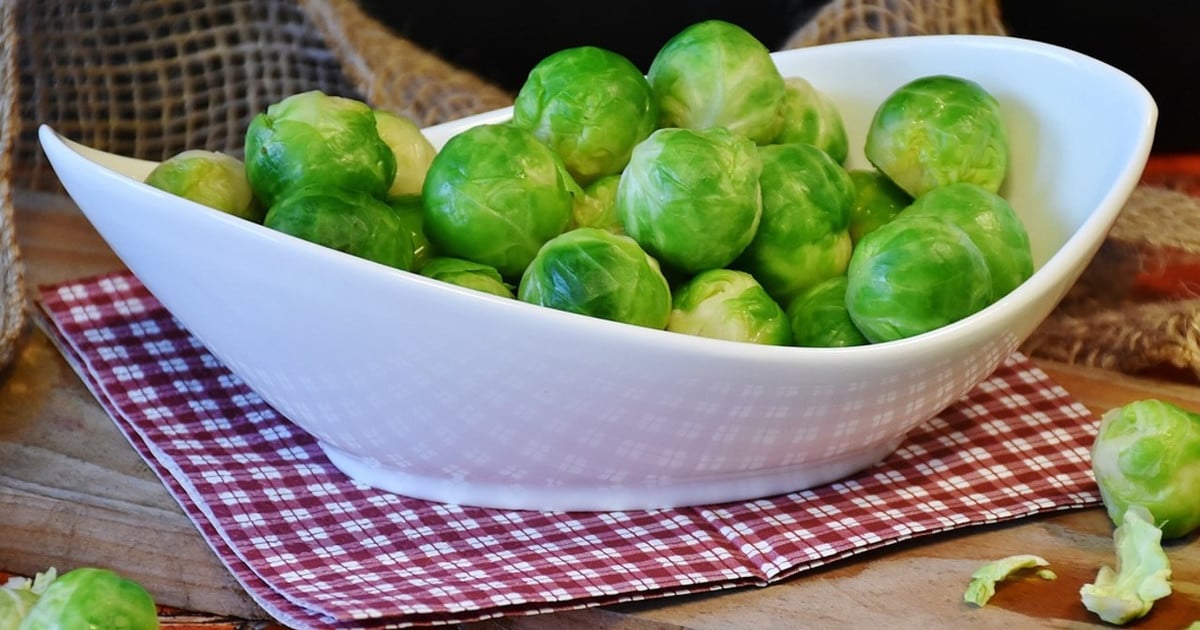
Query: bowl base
[(606, 497)]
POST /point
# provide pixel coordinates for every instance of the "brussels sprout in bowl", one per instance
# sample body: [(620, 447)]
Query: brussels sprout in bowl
[(443, 392)]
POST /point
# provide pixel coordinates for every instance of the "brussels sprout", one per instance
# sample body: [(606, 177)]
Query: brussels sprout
[(717, 74), (410, 210), (410, 147), (346, 220), (597, 206), (468, 274), (595, 272), (819, 318), (804, 236), (992, 225), (939, 130), (209, 178), (691, 198), (16, 600), (1148, 453), (812, 118), (730, 305), (313, 139), (591, 105), (88, 598), (1142, 576), (914, 275), (494, 194), (877, 200)]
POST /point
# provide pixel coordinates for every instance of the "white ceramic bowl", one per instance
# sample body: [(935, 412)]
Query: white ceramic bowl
[(437, 392)]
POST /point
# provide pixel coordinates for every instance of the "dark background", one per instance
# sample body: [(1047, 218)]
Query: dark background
[(1156, 41)]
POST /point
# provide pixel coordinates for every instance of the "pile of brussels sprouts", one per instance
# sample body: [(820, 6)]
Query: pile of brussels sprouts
[(708, 196)]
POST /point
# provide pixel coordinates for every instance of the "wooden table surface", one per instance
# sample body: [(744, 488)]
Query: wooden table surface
[(74, 493)]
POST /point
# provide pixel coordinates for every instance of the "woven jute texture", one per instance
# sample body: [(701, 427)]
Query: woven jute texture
[(150, 79), (13, 313), (1131, 310), (847, 20)]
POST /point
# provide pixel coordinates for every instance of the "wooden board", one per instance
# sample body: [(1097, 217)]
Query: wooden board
[(73, 493)]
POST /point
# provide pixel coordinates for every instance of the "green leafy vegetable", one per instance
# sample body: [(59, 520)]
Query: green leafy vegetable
[(410, 210), (346, 220), (992, 225), (1148, 453), (495, 194), (691, 198), (803, 237), (314, 139), (730, 305), (595, 272), (18, 596), (410, 147), (591, 105), (716, 74), (877, 200), (1142, 576), (914, 275), (938, 130), (819, 317), (209, 178), (983, 582), (90, 598), (811, 117), (597, 206), (467, 274)]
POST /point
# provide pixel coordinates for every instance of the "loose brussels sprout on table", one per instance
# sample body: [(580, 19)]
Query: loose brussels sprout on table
[(939, 130), (209, 178), (692, 198), (494, 194), (716, 74), (345, 220), (314, 139), (87, 598), (595, 272), (1148, 453), (730, 305), (591, 105), (803, 237)]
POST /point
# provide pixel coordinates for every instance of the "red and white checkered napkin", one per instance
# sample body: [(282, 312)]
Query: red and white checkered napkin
[(316, 549)]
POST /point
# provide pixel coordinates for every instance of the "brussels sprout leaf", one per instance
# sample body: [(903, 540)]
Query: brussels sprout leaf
[(1143, 573), (982, 586)]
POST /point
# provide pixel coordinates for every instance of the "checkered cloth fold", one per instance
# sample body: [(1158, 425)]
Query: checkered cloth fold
[(317, 549)]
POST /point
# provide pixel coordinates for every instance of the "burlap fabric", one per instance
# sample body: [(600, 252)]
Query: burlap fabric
[(149, 79), (12, 294), (847, 20), (1137, 305)]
